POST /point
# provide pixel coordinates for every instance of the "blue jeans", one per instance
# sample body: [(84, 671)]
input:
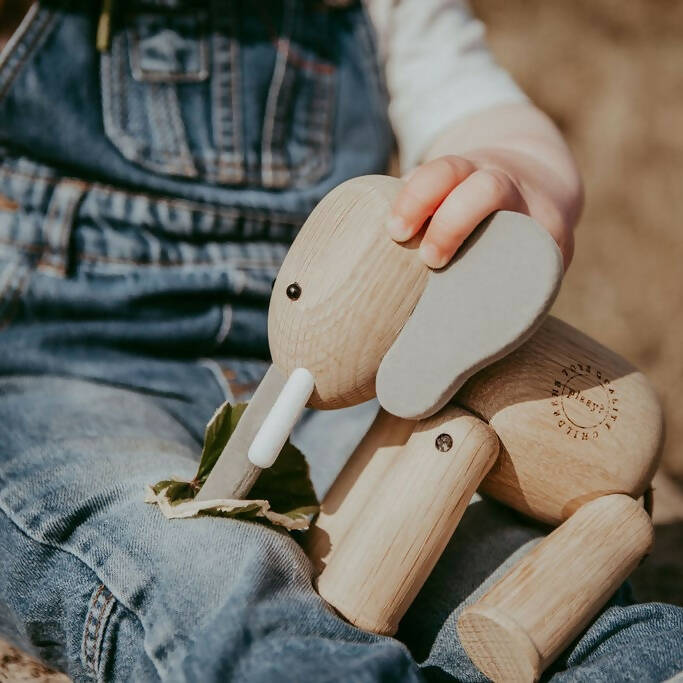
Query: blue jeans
[(147, 197)]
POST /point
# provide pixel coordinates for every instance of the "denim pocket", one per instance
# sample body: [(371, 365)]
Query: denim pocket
[(143, 75), (224, 94)]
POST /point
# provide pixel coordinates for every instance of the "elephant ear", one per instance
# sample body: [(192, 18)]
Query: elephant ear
[(485, 303)]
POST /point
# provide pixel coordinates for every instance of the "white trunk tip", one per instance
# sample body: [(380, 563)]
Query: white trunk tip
[(281, 419)]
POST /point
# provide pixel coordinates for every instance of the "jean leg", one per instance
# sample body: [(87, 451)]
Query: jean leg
[(627, 642), (47, 608), (634, 642), (210, 599), (488, 541)]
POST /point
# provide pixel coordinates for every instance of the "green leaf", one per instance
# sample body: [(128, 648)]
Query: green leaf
[(161, 485), (180, 491), (176, 490), (216, 436), (285, 487)]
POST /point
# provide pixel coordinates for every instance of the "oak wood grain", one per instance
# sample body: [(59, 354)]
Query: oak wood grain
[(392, 510), (357, 289), (530, 615), (576, 422)]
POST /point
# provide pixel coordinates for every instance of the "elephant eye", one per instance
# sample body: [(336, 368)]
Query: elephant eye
[(294, 291)]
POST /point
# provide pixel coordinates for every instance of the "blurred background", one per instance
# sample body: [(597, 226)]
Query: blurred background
[(610, 74)]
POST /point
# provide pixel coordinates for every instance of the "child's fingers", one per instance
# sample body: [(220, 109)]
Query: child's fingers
[(424, 190), (465, 207)]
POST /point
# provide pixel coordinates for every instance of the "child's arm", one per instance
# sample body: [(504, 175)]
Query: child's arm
[(507, 157), (486, 147)]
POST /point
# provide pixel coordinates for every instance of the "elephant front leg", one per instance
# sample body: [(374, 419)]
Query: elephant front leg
[(392, 510)]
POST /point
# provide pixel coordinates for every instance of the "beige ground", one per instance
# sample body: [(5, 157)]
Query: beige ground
[(610, 72)]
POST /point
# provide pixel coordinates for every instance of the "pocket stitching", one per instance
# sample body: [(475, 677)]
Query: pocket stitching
[(224, 162), (273, 121), (29, 48), (177, 129), (91, 644), (228, 155), (319, 163), (84, 644), (112, 91), (277, 170)]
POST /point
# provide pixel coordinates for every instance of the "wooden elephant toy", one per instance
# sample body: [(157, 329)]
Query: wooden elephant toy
[(480, 390)]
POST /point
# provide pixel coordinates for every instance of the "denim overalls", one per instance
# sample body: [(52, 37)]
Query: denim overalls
[(154, 188), (148, 194)]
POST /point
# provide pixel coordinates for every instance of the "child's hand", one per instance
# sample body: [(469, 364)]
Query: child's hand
[(457, 195), (456, 192)]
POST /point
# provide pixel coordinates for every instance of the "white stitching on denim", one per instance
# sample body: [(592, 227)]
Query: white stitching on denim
[(78, 551), (274, 168), (114, 87), (235, 92), (183, 204), (316, 125), (100, 629), (112, 64), (226, 324), (274, 105), (58, 224), (24, 25), (226, 84), (178, 126), (86, 640), (318, 131), (215, 94), (215, 369), (99, 608), (23, 44)]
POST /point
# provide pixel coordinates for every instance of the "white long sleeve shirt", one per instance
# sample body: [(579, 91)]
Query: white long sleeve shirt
[(438, 69)]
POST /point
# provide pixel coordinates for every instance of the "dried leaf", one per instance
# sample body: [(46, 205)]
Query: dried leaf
[(236, 509), (283, 495)]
